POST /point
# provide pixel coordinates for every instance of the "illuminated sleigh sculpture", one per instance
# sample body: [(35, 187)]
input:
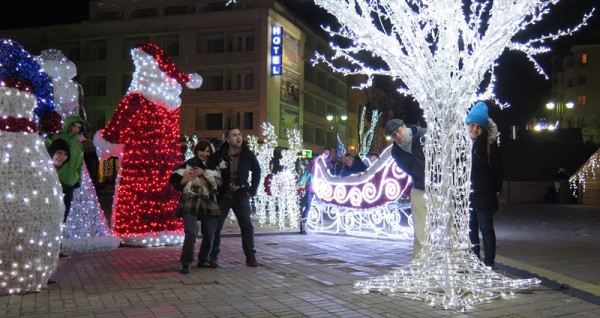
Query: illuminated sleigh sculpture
[(373, 204)]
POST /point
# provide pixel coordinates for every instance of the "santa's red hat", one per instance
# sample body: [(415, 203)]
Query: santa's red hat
[(166, 65)]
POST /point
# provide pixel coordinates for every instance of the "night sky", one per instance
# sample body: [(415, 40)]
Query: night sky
[(517, 81)]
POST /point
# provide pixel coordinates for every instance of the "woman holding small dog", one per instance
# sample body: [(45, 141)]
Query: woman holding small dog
[(192, 209)]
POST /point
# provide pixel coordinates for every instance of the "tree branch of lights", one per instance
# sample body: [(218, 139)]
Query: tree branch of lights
[(264, 203), (442, 51), (284, 183), (366, 138), (585, 173)]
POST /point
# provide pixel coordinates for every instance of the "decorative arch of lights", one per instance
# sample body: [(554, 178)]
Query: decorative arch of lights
[(372, 204)]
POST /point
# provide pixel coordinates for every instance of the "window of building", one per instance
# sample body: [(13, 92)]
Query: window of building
[(322, 79), (244, 42), (583, 59), (321, 108), (108, 16), (308, 133), (125, 82), (581, 100), (248, 122), (95, 86), (130, 43), (144, 13), (210, 43), (310, 104), (96, 121), (243, 80), (215, 6), (214, 121), (310, 72), (169, 43), (342, 91), (321, 136), (175, 10), (95, 50), (212, 82), (215, 46), (581, 80), (332, 86), (72, 49)]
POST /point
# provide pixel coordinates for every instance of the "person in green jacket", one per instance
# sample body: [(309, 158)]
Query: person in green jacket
[(70, 173)]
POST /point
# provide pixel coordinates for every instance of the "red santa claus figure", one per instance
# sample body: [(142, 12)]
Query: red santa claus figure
[(144, 133)]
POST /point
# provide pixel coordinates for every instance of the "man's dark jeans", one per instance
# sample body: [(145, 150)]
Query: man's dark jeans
[(241, 209), (483, 221)]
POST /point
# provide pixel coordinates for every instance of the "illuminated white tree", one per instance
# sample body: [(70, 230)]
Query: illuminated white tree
[(284, 182), (366, 138), (444, 51), (264, 203)]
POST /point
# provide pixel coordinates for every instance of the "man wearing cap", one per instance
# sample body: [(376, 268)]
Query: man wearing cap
[(408, 153)]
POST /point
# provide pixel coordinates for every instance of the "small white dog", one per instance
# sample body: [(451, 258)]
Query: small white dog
[(206, 185)]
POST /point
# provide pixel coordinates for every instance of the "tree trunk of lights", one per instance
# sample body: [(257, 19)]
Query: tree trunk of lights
[(442, 51)]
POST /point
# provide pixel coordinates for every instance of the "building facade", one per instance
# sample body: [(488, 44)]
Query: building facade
[(254, 57), (576, 91)]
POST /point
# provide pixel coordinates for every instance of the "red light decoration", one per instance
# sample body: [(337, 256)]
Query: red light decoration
[(13, 124), (145, 200)]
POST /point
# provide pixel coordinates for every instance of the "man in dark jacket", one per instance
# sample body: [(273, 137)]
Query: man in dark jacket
[(235, 192), (408, 153), (352, 166)]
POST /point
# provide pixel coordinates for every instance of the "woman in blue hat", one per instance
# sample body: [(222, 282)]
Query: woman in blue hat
[(486, 181)]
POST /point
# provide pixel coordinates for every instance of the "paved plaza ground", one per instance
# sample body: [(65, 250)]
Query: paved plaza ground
[(313, 275)]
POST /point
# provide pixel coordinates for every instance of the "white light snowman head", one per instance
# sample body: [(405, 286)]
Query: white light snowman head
[(62, 71), (157, 78)]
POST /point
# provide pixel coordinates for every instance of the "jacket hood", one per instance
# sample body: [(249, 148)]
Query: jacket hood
[(492, 131), (73, 119)]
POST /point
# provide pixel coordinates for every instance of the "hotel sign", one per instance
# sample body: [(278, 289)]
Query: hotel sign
[(276, 49)]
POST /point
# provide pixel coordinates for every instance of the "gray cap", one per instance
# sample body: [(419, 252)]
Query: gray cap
[(392, 125)]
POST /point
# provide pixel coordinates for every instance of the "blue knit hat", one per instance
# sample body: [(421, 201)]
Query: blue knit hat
[(478, 115)]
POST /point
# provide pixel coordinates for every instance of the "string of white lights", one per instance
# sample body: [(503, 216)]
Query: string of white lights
[(587, 172), (264, 203), (366, 138), (283, 186)]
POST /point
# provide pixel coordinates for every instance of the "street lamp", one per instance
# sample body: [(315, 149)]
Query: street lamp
[(336, 119), (550, 105)]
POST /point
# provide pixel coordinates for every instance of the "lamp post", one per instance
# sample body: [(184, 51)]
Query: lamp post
[(557, 108), (337, 120)]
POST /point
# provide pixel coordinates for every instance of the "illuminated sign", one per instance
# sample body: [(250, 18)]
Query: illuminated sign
[(306, 153), (276, 48)]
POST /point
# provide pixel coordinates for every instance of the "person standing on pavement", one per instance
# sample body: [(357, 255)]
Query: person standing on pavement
[(70, 173), (307, 181), (486, 181), (191, 211), (235, 192), (408, 153)]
